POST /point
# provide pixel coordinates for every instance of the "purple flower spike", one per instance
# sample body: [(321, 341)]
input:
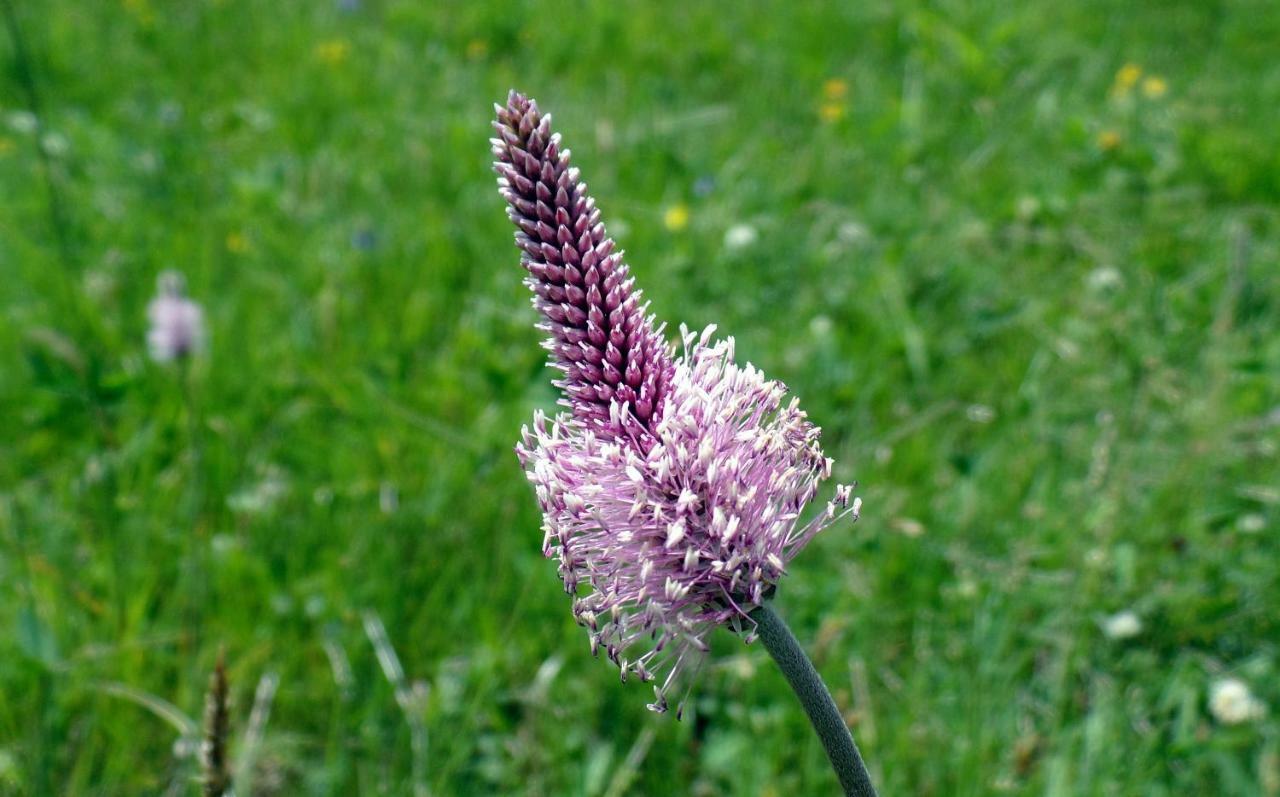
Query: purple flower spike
[(677, 504), (616, 365)]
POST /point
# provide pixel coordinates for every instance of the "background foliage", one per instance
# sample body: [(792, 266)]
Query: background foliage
[(1019, 261)]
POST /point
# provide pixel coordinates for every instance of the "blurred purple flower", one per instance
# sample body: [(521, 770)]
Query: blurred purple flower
[(364, 240), (675, 486), (177, 323)]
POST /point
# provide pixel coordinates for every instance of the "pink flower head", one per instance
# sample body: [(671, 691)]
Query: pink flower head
[(177, 324), (676, 505)]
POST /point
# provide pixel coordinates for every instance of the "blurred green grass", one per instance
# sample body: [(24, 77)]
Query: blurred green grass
[(1033, 304)]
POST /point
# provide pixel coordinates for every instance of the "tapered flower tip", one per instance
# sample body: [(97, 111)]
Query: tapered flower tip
[(517, 103), (616, 364)]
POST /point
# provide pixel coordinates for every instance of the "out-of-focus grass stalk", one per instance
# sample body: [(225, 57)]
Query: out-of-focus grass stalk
[(410, 703), (626, 773), (58, 219), (188, 729), (257, 729), (73, 311), (336, 752), (197, 561), (176, 718), (39, 729)]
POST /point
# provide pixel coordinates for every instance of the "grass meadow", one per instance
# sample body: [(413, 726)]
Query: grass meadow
[(1021, 262)]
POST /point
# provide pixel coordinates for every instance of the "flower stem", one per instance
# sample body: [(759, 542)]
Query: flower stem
[(817, 701)]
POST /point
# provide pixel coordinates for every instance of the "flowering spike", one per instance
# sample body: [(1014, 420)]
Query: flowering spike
[(674, 489), (566, 252)]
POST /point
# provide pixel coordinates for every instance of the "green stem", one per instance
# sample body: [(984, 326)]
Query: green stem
[(26, 77), (198, 588), (817, 701)]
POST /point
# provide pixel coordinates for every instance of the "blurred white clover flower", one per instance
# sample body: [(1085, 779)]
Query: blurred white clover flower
[(55, 144), (262, 496), (177, 323), (740, 236), (1105, 278), (1122, 625), (1251, 523), (1231, 702), (23, 122), (820, 326)]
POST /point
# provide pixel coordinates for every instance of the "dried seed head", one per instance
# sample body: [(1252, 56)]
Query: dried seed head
[(215, 768)]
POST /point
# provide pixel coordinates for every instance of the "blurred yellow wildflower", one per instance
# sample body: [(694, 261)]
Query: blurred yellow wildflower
[(834, 92), (835, 89), (388, 447), (333, 51), (676, 217), (6, 145), (140, 10), (237, 243), (1108, 140), (1154, 87), (477, 49), (1127, 78)]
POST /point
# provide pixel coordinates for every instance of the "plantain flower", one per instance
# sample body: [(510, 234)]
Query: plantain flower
[(673, 486), (177, 323)]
